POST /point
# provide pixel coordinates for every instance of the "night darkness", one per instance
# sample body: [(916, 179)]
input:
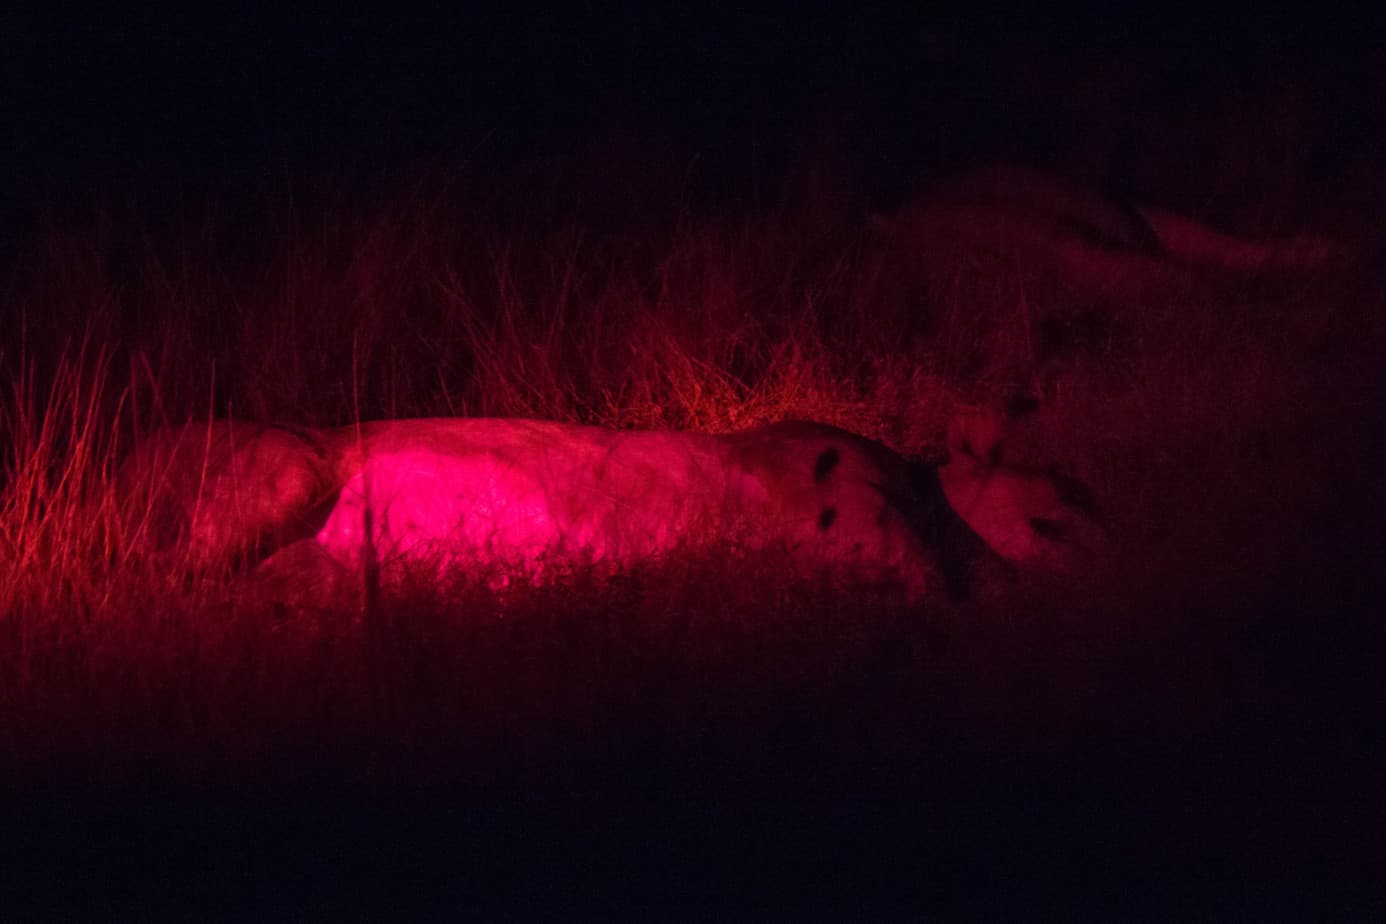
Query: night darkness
[(205, 94), (1140, 677)]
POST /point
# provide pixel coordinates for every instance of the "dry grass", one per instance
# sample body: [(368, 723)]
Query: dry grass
[(1226, 441)]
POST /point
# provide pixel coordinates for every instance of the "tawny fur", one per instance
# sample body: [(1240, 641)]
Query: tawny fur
[(1053, 233), (447, 495)]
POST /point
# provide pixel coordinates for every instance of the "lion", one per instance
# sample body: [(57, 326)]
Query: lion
[(1055, 233), (1094, 239), (1020, 274), (446, 496), (225, 492)]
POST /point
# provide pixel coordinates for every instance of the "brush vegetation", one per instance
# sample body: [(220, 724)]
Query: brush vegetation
[(1226, 436)]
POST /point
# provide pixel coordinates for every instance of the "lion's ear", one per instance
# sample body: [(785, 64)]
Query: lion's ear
[(977, 437)]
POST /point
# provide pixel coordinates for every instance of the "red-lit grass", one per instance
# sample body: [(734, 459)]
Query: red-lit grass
[(1226, 441), (107, 642)]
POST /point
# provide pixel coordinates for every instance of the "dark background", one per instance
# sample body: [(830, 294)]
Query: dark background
[(116, 94)]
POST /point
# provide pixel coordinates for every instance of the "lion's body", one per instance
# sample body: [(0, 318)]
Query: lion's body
[(441, 496), (1054, 234), (226, 490)]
